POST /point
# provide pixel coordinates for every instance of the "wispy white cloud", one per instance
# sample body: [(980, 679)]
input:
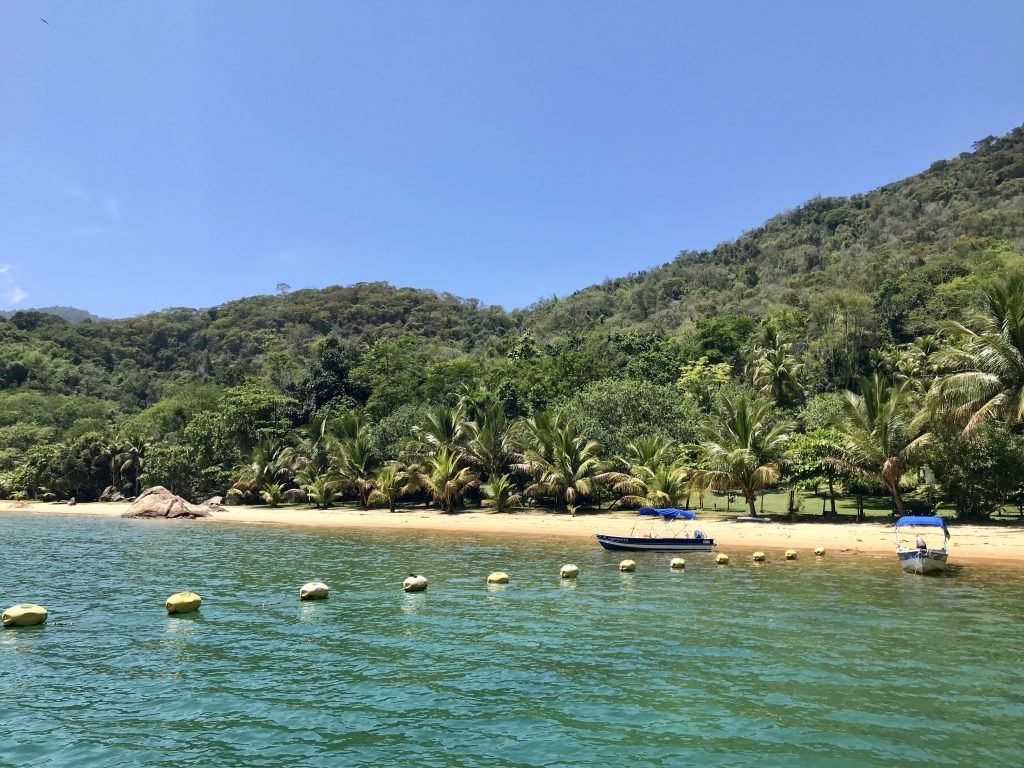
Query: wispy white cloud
[(9, 289), (112, 207), (72, 189)]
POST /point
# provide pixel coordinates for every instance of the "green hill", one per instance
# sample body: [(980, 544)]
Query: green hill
[(838, 278)]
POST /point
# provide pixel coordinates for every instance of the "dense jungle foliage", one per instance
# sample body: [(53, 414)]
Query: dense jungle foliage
[(842, 345)]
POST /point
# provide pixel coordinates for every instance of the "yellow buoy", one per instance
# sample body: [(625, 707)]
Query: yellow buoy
[(722, 559), (314, 590), (498, 577), (24, 615), (414, 583), (569, 571), (791, 554), (819, 551), (759, 557), (627, 566), (183, 602), (676, 563)]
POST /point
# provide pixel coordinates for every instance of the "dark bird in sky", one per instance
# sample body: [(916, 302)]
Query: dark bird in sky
[(44, 21)]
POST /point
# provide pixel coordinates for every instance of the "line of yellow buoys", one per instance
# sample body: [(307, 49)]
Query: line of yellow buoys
[(30, 614)]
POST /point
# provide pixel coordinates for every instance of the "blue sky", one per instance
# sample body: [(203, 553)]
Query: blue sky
[(188, 153)]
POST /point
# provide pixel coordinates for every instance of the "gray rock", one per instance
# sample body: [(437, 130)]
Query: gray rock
[(160, 502)]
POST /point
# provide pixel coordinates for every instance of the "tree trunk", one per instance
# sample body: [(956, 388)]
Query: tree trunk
[(832, 498), (751, 502)]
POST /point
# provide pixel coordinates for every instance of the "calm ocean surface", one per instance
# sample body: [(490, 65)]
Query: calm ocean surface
[(839, 662)]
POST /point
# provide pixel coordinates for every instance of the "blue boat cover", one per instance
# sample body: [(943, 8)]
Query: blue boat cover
[(932, 520), (668, 514)]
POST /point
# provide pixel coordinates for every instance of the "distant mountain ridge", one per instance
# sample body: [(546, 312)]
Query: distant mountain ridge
[(71, 314)]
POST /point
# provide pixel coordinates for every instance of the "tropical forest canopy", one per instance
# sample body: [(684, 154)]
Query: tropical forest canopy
[(843, 344)]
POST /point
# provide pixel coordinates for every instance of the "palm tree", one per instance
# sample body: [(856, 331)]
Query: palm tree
[(491, 446), (273, 494), (878, 427), (129, 459), (500, 493), (268, 463), (664, 485), (565, 464), (650, 452), (445, 479), (311, 447), (443, 427), (741, 447), (355, 466), (391, 483), (322, 490), (985, 364), (776, 374)]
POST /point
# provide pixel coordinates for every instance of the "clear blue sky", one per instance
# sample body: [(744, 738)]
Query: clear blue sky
[(188, 153)]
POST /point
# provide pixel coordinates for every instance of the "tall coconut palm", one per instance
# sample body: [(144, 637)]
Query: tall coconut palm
[(879, 433), (444, 477), (984, 366), (491, 446), (776, 374), (443, 427), (651, 452), (741, 447), (129, 459), (267, 463), (355, 466)]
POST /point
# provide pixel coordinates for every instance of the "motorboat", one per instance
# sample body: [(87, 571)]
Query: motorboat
[(916, 553), (659, 530)]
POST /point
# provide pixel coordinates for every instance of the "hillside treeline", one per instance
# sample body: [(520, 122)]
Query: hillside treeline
[(883, 298)]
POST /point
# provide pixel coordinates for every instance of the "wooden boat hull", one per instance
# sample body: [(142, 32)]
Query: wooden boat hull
[(923, 560), (649, 544)]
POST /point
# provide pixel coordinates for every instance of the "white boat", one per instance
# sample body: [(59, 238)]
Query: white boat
[(915, 553)]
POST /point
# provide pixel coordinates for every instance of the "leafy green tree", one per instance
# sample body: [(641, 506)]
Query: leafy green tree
[(618, 412), (979, 471), (810, 461), (702, 380), (741, 447)]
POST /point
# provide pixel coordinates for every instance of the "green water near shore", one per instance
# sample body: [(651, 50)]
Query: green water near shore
[(840, 662)]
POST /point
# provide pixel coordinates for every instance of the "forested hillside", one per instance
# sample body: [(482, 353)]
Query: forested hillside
[(789, 315)]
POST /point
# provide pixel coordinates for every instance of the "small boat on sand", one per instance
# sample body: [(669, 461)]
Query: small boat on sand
[(916, 554), (659, 530)]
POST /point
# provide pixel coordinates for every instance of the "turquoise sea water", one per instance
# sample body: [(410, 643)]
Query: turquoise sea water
[(839, 662)]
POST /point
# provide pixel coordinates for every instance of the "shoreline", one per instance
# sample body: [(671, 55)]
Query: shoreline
[(968, 543)]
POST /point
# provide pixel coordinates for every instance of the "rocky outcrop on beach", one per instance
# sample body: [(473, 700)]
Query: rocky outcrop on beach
[(160, 502), (110, 493)]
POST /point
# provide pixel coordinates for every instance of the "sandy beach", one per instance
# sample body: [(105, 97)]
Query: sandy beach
[(969, 543)]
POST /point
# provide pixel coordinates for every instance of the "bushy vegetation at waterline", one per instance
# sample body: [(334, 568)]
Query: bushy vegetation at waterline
[(843, 346)]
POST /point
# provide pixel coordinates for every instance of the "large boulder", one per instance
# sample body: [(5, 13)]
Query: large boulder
[(159, 502), (110, 493)]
